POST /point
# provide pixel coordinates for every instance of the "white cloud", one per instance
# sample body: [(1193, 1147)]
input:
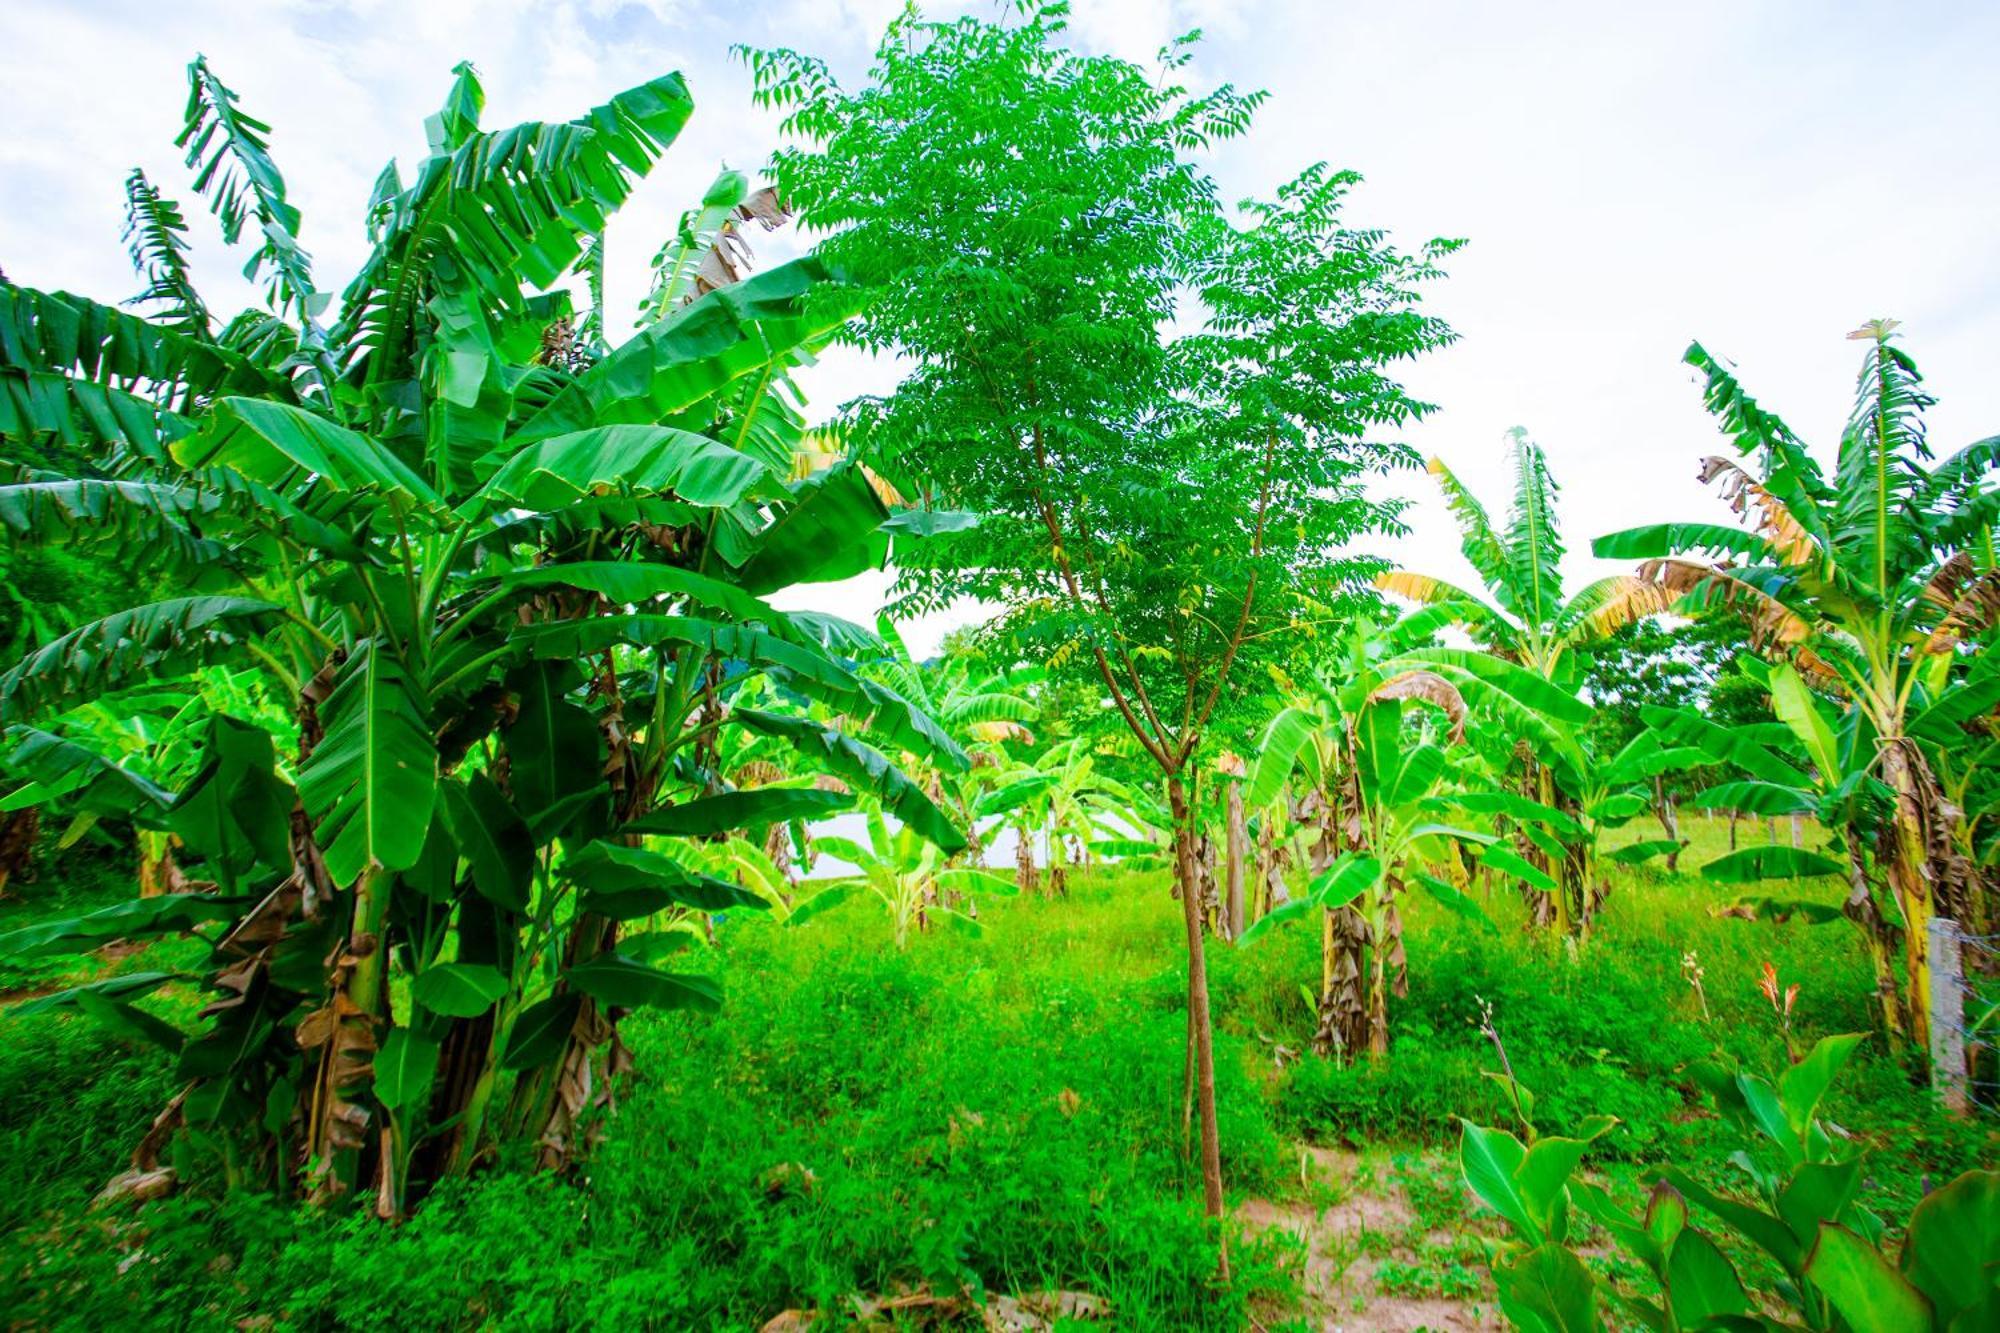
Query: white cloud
[(1762, 177)]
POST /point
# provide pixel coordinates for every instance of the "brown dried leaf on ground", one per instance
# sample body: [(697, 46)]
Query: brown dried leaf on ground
[(790, 1321), (922, 1308), (147, 1179), (1040, 1311), (789, 1178)]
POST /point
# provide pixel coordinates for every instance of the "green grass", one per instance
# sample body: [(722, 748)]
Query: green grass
[(1608, 1029), (999, 1113)]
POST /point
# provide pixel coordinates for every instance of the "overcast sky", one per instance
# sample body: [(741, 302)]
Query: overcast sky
[(1763, 177)]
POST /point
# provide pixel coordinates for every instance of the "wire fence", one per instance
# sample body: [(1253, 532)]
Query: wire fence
[(1965, 1016)]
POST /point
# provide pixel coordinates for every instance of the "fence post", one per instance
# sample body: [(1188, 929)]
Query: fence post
[(1947, 1014)]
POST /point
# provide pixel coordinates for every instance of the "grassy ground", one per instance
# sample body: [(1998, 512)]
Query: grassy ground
[(995, 1114)]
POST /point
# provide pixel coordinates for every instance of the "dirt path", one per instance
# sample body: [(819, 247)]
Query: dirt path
[(1383, 1242)]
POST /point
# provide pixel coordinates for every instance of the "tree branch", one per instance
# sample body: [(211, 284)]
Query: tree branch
[(1192, 733)]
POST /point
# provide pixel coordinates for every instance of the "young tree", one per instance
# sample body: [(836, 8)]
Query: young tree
[(1029, 223)]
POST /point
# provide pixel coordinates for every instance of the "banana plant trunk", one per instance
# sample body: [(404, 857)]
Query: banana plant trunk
[(340, 1142), (1273, 855), (1584, 891), (1237, 836), (1386, 968), (1878, 936), (1344, 1002), (551, 1104), (1922, 872), (18, 832), (1342, 1029), (778, 846), (159, 874), (1543, 907), (1026, 877)]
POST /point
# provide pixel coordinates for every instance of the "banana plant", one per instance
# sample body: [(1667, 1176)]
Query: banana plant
[(1588, 795), (1065, 802), (1525, 618), (1875, 577), (122, 755), (1314, 746), (115, 757), (909, 876), (984, 711), (1820, 764), (753, 868), (1372, 791), (987, 708), (509, 587)]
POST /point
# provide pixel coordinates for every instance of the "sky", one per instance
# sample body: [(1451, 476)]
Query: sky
[(1760, 176)]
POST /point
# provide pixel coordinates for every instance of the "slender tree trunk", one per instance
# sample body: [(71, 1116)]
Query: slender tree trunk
[(1733, 817), (1238, 837), (1187, 1089), (1197, 1000), (1796, 840), (1670, 823)]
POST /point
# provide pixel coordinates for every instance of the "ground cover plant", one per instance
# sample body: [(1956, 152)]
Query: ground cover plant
[(997, 1112), (439, 889)]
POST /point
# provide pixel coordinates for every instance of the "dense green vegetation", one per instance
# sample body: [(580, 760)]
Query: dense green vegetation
[(438, 888), (1000, 1112)]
